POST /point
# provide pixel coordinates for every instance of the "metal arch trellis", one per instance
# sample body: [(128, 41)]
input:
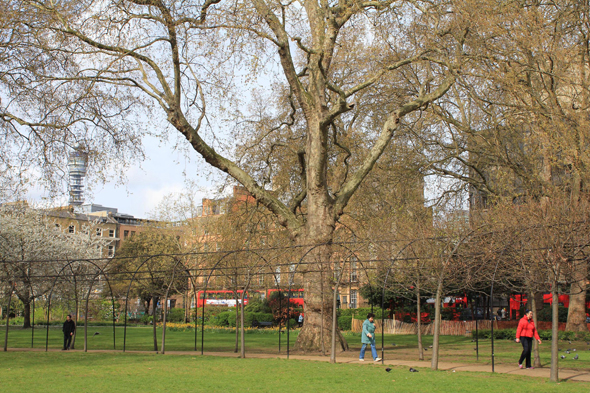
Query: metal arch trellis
[(335, 294), (129, 289), (383, 297), (86, 316), (212, 269)]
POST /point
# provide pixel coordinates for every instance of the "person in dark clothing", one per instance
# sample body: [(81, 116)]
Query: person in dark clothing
[(524, 334), (69, 328)]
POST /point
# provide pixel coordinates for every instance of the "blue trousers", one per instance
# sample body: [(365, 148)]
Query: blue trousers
[(373, 351)]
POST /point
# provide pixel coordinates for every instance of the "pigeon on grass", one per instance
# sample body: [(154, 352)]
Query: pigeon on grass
[(413, 370), (95, 334), (388, 369)]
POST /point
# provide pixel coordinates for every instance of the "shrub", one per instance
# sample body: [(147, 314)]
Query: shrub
[(248, 319), (361, 313), (545, 335), (263, 317), (146, 319), (175, 315), (545, 314), (499, 334), (257, 306), (221, 319), (292, 323), (345, 322)]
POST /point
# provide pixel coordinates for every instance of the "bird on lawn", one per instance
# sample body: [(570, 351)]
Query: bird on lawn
[(388, 369), (413, 370), (568, 352), (562, 356), (430, 346), (95, 334), (574, 349), (569, 341), (576, 357)]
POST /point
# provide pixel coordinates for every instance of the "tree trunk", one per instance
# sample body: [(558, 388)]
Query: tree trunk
[(435, 339), (164, 311), (553, 375), (536, 306), (154, 322), (76, 317), (419, 321), (27, 313), (7, 318), (236, 348), (242, 338), (576, 314), (316, 333)]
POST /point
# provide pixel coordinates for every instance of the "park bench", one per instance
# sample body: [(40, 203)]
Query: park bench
[(258, 325)]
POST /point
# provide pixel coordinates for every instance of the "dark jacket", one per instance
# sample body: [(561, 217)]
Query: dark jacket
[(69, 327)]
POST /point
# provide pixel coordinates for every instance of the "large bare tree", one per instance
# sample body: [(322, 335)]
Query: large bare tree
[(98, 67)]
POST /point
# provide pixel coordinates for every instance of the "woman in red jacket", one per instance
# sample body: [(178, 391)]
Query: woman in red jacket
[(524, 334)]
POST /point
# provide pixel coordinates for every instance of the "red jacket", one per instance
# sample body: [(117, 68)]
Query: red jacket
[(526, 328)]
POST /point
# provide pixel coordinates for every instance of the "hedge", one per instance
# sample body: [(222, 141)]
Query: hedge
[(510, 334)]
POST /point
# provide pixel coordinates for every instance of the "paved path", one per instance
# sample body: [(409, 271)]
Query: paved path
[(564, 374)]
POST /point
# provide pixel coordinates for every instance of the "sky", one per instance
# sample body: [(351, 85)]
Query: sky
[(148, 182)]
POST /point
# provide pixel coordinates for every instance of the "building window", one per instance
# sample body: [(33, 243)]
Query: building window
[(132, 233), (353, 299), (71, 229), (98, 231), (278, 276), (125, 234), (353, 272), (292, 268), (111, 252), (344, 300), (111, 233), (261, 279)]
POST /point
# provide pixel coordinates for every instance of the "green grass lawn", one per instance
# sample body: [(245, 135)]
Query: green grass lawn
[(132, 372), (453, 348)]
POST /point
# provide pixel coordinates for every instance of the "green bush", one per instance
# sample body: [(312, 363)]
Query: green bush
[(545, 335), (264, 317), (221, 319), (146, 319), (345, 322), (292, 324), (175, 315), (361, 313), (249, 318), (257, 306), (546, 315)]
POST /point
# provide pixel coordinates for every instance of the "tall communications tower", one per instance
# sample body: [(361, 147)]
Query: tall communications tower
[(77, 164)]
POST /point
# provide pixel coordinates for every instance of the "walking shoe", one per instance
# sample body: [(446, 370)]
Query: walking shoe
[(520, 366), (378, 359), (361, 360)]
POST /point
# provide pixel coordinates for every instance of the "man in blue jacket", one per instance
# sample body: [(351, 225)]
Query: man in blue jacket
[(368, 337)]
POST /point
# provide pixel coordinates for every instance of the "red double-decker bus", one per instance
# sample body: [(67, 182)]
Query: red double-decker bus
[(296, 295), (220, 298)]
